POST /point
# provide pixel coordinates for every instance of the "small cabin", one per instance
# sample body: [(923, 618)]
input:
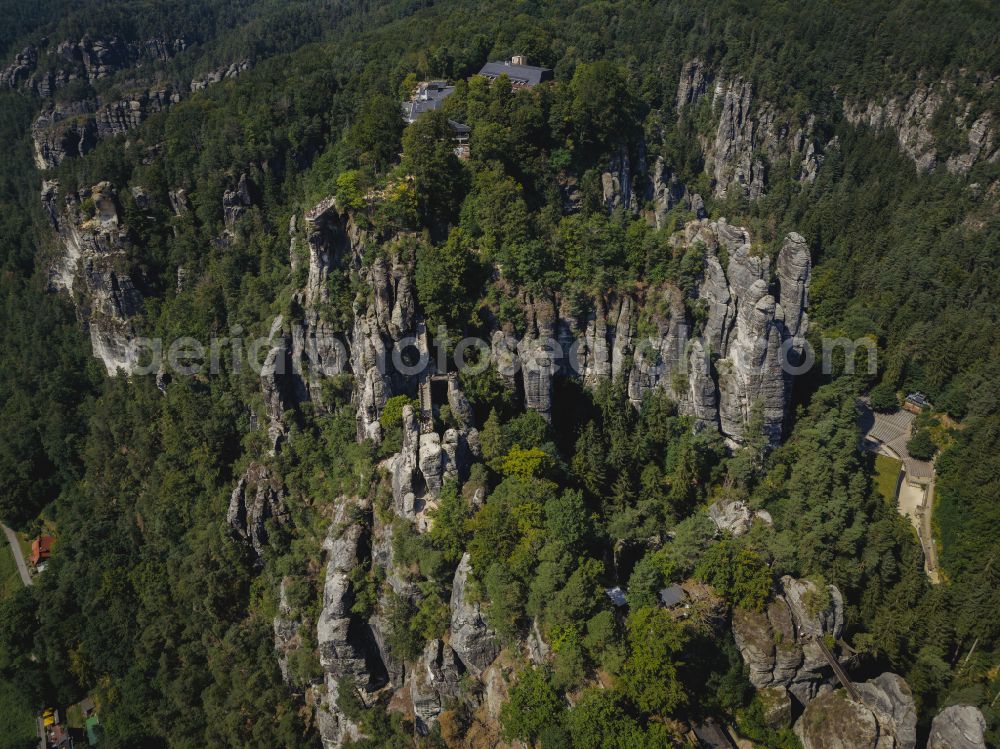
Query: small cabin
[(672, 595)]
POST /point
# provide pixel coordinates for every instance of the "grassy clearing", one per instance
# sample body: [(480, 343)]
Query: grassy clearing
[(886, 476)]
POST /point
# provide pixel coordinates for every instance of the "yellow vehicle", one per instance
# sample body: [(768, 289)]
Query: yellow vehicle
[(49, 717)]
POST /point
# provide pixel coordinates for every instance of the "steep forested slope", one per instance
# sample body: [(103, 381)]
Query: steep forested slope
[(314, 555)]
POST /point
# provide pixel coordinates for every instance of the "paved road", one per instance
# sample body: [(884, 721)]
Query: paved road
[(15, 549)]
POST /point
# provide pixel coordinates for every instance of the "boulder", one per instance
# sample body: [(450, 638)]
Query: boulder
[(833, 721), (731, 516), (958, 727), (889, 698)]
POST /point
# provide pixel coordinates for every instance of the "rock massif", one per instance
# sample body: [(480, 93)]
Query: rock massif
[(721, 371), (911, 119), (885, 718), (778, 644), (92, 265)]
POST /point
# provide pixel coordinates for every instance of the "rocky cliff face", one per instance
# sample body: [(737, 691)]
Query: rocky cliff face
[(751, 135), (721, 371), (67, 129), (777, 644), (92, 266), (471, 638), (90, 59), (257, 498), (73, 129), (911, 118)]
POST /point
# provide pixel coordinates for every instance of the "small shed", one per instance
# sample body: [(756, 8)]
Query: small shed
[(672, 595)]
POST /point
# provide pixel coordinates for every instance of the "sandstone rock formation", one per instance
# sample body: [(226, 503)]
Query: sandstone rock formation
[(233, 70), (834, 721), (471, 638), (693, 84), (286, 632), (732, 517), (723, 370), (88, 58), (889, 698), (434, 681), (236, 201), (257, 498), (346, 649), (93, 266), (884, 719), (777, 644), (752, 134), (909, 118), (74, 129), (958, 727)]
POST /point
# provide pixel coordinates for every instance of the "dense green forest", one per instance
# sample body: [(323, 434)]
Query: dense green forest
[(151, 603)]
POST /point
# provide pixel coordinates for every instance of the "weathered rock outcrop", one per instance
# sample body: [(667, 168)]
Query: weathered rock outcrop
[(732, 517), (750, 137), (88, 59), (93, 268), (73, 130), (235, 202), (834, 721), (286, 632), (434, 681), (346, 648), (220, 74), (381, 323), (471, 638), (693, 84), (721, 366), (777, 644), (884, 719), (910, 119), (64, 131), (958, 727), (890, 699), (257, 498)]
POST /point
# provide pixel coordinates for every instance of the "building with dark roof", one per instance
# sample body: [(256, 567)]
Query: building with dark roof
[(517, 69), (430, 95), (672, 595)]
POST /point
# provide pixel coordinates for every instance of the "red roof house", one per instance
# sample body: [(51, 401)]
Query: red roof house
[(41, 549)]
